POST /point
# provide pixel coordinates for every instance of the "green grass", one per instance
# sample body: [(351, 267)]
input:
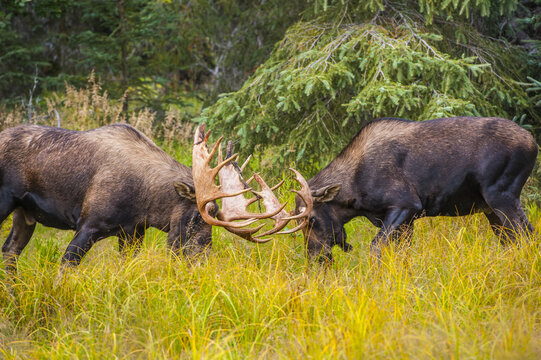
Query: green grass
[(455, 293)]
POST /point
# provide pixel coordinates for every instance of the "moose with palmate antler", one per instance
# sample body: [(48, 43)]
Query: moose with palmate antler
[(231, 190), (395, 171)]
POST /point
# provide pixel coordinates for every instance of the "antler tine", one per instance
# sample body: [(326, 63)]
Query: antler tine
[(246, 162), (247, 234), (284, 219), (229, 149), (295, 229), (277, 185), (304, 193), (270, 201), (206, 191), (218, 167), (214, 148), (200, 135), (228, 157), (279, 226), (220, 157)]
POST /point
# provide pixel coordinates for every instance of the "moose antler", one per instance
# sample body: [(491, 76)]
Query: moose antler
[(282, 218), (206, 191), (235, 207), (231, 190), (228, 175)]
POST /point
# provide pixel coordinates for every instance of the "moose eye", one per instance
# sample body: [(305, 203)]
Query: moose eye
[(312, 221)]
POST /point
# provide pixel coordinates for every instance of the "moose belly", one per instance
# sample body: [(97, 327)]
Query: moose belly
[(464, 200), (50, 212)]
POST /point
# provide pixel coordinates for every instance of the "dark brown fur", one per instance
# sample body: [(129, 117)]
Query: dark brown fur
[(394, 171), (111, 181)]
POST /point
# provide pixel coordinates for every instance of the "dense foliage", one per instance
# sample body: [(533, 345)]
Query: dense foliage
[(154, 51), (335, 65), (327, 78)]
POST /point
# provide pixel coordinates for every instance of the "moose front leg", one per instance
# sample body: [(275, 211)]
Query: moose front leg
[(79, 245), (398, 223), (130, 242), (83, 240)]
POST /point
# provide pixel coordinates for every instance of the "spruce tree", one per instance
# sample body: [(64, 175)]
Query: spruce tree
[(350, 62)]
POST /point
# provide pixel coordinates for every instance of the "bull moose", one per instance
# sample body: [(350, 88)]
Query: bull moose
[(395, 171), (110, 181)]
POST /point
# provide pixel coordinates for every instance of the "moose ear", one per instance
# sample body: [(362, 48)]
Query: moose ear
[(185, 190), (327, 193)]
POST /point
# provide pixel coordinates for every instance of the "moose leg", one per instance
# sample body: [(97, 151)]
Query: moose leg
[(80, 244), (6, 205), (130, 241), (514, 221), (18, 238), (85, 237), (403, 234), (503, 197), (394, 219), (495, 224), (507, 216)]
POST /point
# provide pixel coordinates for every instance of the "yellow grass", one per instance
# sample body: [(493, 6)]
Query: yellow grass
[(456, 293)]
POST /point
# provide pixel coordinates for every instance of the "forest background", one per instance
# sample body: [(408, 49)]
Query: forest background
[(289, 80)]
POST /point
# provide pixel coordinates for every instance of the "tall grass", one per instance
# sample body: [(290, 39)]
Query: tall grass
[(455, 293), (90, 107)]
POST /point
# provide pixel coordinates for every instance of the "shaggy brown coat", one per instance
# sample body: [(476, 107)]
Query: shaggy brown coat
[(110, 181), (394, 171)]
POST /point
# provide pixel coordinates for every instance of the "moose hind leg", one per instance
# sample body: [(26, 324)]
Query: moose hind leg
[(508, 219), (518, 223), (18, 238), (502, 195), (495, 224)]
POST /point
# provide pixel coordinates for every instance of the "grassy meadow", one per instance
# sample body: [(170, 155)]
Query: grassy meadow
[(455, 293)]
